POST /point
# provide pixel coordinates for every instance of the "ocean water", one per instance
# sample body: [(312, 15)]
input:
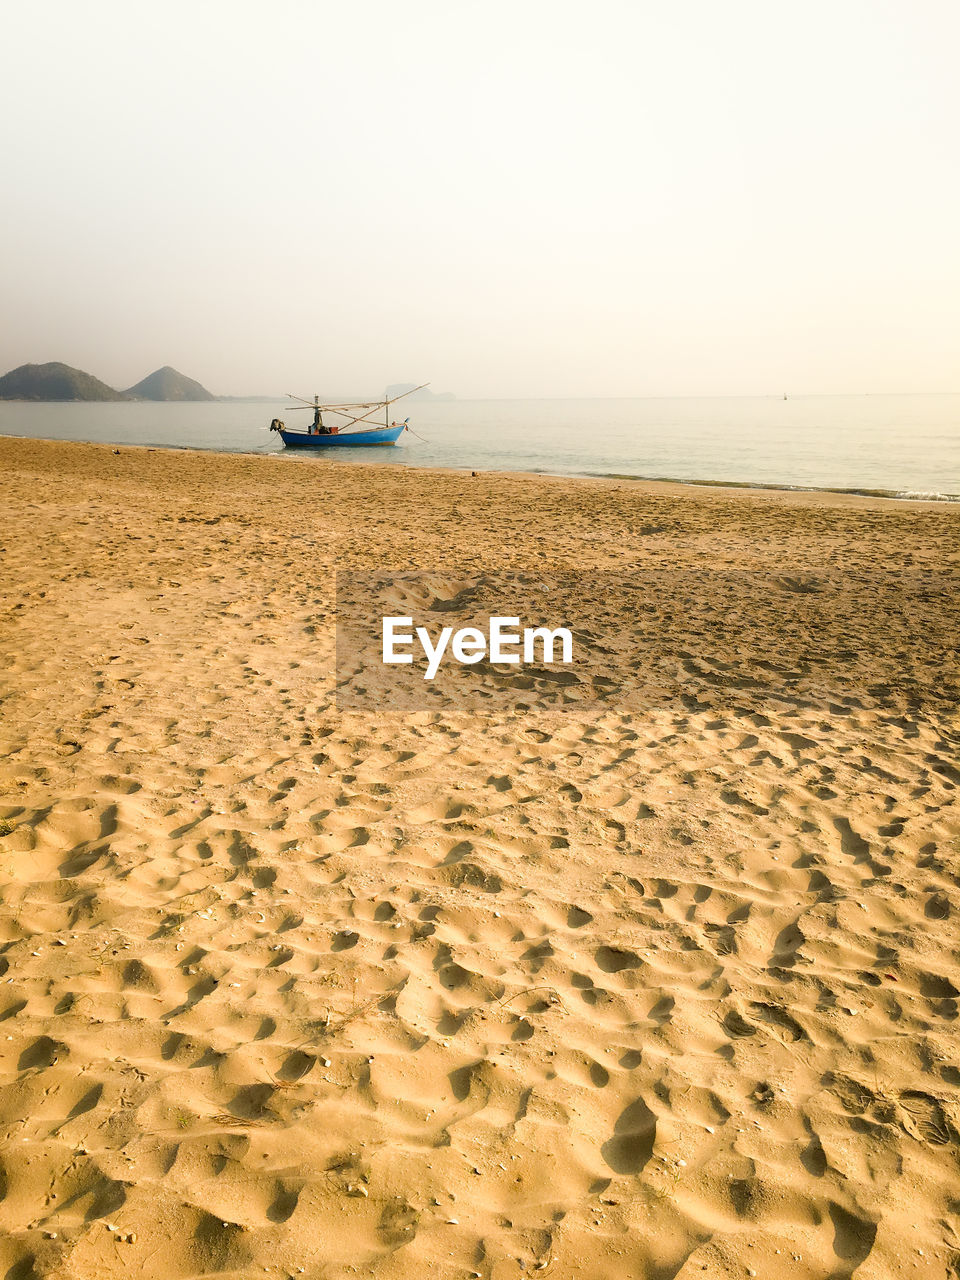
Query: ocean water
[(901, 446)]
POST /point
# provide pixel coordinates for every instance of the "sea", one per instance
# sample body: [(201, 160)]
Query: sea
[(897, 446)]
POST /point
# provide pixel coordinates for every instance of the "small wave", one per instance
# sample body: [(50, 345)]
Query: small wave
[(903, 495), (912, 495)]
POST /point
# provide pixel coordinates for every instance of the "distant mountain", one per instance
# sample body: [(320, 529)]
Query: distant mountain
[(54, 382), (400, 388), (168, 384)]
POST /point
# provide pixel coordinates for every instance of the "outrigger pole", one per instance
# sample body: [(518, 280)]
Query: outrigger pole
[(379, 404), (385, 404)]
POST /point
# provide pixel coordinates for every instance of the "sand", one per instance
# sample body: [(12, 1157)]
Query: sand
[(560, 990)]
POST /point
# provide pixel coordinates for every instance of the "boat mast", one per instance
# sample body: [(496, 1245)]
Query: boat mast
[(372, 405), (386, 403)]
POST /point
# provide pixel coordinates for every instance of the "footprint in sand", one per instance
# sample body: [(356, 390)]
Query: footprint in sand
[(853, 1238), (42, 1053), (398, 1223), (937, 907), (284, 1203), (615, 959), (577, 918), (737, 1026), (634, 1135), (923, 1117)]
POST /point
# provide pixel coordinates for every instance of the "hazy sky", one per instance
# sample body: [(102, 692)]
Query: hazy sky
[(506, 197)]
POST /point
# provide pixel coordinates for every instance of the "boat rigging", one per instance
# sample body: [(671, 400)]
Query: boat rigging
[(321, 434)]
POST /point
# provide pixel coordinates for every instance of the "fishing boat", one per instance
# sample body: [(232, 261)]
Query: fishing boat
[(348, 434)]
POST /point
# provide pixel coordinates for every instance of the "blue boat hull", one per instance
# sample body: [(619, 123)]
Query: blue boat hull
[(377, 435)]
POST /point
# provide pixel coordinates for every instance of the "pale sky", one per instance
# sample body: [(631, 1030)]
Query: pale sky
[(505, 197)]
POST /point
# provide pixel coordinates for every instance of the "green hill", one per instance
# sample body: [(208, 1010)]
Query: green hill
[(168, 384), (54, 382)]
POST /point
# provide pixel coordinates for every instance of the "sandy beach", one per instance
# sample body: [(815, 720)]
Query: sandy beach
[(569, 990)]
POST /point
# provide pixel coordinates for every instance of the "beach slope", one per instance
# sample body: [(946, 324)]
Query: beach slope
[(564, 989)]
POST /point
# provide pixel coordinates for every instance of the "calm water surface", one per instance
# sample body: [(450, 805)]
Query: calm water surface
[(907, 446)]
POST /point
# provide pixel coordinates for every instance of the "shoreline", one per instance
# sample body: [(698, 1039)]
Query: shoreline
[(654, 484)]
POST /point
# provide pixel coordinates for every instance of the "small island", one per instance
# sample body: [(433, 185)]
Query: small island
[(54, 381), (168, 384)]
